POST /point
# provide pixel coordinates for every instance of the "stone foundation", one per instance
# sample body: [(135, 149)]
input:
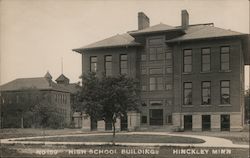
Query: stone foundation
[(134, 120), (235, 121)]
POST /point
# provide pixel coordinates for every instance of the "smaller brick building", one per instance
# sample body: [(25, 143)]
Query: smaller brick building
[(22, 98)]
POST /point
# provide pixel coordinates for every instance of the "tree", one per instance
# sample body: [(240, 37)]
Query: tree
[(90, 96), (17, 106), (109, 98)]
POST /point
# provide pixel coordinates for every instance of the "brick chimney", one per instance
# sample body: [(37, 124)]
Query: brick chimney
[(184, 19), (143, 21)]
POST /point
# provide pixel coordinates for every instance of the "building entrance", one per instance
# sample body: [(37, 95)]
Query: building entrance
[(206, 123), (188, 122), (124, 123), (225, 122), (156, 117), (93, 124)]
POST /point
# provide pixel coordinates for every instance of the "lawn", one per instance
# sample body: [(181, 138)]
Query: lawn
[(135, 138), (28, 132), (235, 137), (164, 152)]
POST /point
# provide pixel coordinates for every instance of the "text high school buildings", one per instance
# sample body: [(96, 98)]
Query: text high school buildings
[(191, 76)]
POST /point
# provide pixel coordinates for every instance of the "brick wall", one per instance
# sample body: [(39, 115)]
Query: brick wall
[(215, 76)]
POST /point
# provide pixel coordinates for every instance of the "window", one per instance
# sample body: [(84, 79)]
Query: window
[(187, 60), (143, 57), (124, 64), (205, 60), (169, 102), (169, 69), (93, 64), (155, 41), (206, 93), (155, 83), (17, 99), (225, 92), (143, 70), (156, 53), (169, 119), (144, 119), (155, 71), (187, 93), (108, 65), (169, 55), (155, 102), (224, 58), (49, 98), (143, 103), (168, 83), (143, 84), (168, 86)]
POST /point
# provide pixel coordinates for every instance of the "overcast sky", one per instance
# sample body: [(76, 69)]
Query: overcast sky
[(36, 34)]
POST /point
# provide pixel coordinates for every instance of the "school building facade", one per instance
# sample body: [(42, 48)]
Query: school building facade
[(191, 76)]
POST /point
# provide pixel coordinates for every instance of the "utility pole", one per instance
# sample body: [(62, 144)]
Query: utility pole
[(62, 65)]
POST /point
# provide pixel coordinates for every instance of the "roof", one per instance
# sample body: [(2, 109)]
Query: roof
[(193, 32), (48, 75), (73, 88), (118, 40), (203, 31), (208, 31), (39, 83), (62, 78), (154, 29)]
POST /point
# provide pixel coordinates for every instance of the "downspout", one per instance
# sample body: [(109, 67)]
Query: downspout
[(180, 83)]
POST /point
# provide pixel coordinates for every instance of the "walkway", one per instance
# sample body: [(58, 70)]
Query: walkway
[(209, 141)]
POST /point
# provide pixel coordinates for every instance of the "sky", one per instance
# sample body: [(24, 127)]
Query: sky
[(37, 35)]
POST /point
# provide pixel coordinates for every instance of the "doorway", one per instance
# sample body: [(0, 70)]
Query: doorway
[(93, 124), (156, 117), (225, 122), (188, 122), (124, 123), (206, 123)]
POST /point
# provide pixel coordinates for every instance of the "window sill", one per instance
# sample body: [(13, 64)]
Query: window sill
[(186, 73), (206, 72), (187, 106), (227, 105), (205, 105), (156, 90), (169, 123), (225, 70)]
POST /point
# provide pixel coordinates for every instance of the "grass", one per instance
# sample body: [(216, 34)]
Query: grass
[(135, 138), (165, 152), (235, 137), (27, 132)]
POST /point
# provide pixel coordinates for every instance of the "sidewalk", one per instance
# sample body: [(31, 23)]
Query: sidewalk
[(209, 141)]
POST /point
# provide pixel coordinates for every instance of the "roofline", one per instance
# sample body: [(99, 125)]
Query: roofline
[(46, 89), (244, 37), (153, 32), (80, 50), (204, 38), (209, 24)]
